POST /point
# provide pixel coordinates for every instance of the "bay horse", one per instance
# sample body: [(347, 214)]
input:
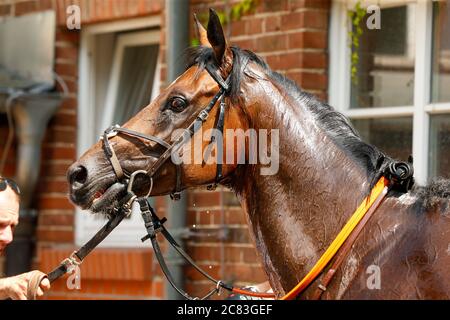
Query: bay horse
[(325, 170)]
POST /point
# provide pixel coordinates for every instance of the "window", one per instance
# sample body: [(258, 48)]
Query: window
[(381, 132), (113, 88), (132, 85), (399, 97), (441, 52), (440, 145), (385, 70)]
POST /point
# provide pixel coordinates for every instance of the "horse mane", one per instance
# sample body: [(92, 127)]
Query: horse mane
[(334, 123), (433, 195)]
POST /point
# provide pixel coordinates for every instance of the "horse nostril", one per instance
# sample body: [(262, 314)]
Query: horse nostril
[(78, 176)]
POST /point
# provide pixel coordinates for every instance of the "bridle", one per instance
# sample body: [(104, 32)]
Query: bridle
[(398, 175), (122, 175), (153, 223)]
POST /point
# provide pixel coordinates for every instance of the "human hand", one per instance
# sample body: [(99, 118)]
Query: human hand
[(17, 287)]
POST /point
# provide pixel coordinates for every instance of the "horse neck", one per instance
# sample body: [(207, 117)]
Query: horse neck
[(295, 214)]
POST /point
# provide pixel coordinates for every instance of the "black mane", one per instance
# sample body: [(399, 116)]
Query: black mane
[(334, 123)]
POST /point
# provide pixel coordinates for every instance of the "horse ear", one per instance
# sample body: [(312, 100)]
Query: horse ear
[(201, 33), (216, 38)]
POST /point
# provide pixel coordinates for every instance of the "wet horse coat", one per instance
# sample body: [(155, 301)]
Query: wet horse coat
[(325, 170)]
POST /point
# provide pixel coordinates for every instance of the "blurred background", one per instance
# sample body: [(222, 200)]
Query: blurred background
[(63, 80)]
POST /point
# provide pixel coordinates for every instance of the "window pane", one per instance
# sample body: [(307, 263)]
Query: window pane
[(136, 80), (392, 136), (385, 70), (441, 52), (439, 163)]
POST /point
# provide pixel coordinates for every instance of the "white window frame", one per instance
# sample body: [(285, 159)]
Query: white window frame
[(129, 231), (422, 108), (124, 40)]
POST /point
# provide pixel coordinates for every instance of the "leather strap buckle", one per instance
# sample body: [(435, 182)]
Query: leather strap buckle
[(203, 115), (175, 196)]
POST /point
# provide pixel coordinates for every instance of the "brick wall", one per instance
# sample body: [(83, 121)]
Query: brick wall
[(106, 273), (290, 34)]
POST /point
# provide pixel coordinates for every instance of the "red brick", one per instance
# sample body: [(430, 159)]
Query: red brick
[(56, 220), (254, 26), (132, 8), (272, 43), (301, 4), (60, 153), (69, 104), (204, 253), (233, 254), (102, 11), (54, 186), (286, 61), (119, 9), (239, 28), (59, 236), (119, 264), (155, 6), (191, 218), (163, 77), (52, 170), (141, 7), (245, 273), (199, 199), (272, 6), (217, 216), (305, 19), (314, 60), (66, 69), (250, 255), (10, 169), (45, 4), (192, 274), (272, 23), (54, 202), (25, 7), (308, 80), (205, 218), (68, 36), (66, 136), (308, 39), (238, 235), (235, 217), (249, 44), (160, 204), (64, 120), (72, 86), (69, 53), (5, 9)]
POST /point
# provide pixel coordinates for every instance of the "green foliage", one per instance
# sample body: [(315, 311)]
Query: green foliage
[(356, 16), (195, 42), (237, 10), (242, 8)]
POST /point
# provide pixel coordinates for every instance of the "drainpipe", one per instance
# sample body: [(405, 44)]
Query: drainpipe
[(177, 35), (31, 114)]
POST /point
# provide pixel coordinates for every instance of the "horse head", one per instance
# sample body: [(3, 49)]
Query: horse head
[(98, 179)]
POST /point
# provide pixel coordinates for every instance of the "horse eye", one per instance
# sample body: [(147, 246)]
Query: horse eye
[(177, 104)]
